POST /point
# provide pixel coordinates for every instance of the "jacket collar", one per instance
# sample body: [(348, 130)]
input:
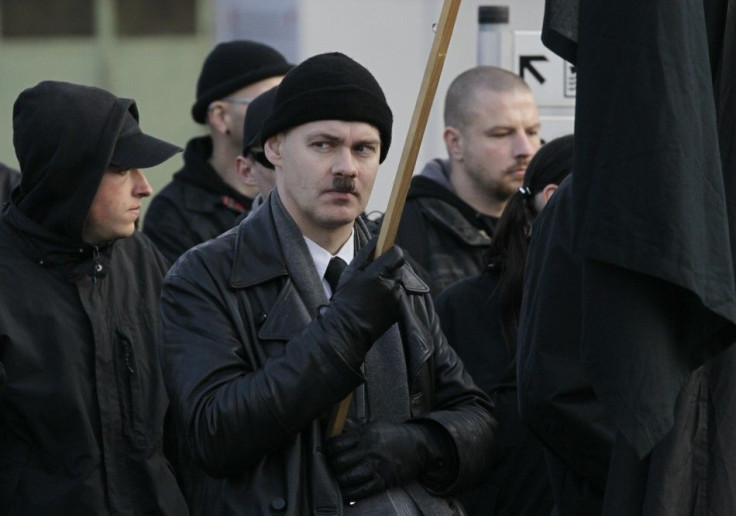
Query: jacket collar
[(198, 172), (70, 258), (258, 256)]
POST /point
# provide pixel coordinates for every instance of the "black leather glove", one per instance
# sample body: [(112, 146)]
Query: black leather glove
[(374, 457), (366, 303)]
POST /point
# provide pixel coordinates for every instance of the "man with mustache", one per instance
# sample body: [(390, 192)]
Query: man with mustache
[(491, 133), (264, 335)]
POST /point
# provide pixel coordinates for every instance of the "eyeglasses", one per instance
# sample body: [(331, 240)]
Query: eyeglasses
[(260, 157), (238, 100)]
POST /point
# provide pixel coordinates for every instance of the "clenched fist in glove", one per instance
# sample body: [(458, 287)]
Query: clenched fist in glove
[(366, 304), (372, 458)]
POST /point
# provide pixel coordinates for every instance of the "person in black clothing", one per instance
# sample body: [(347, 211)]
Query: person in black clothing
[(556, 399), (206, 196), (252, 165), (83, 405), (9, 179), (491, 133), (263, 335), (480, 317)]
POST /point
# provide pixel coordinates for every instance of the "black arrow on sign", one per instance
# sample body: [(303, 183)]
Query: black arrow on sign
[(527, 63)]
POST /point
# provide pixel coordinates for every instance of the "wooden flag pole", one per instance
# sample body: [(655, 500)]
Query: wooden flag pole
[(390, 224)]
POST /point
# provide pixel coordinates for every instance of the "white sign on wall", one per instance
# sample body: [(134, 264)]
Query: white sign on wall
[(552, 79)]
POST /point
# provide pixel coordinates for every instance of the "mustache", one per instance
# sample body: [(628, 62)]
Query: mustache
[(519, 163), (343, 184)]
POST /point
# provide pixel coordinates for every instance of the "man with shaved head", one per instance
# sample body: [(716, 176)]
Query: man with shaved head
[(491, 133)]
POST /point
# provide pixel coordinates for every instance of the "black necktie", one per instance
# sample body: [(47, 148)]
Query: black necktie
[(333, 272)]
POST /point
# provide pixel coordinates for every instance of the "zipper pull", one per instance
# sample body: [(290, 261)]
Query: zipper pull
[(97, 261), (127, 353)]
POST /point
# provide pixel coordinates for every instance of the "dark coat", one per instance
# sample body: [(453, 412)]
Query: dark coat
[(197, 205), (250, 381), (556, 399), (81, 415), (82, 409), (518, 484), (446, 238)]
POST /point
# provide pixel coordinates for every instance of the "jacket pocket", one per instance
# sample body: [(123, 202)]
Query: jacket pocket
[(13, 460), (130, 393)]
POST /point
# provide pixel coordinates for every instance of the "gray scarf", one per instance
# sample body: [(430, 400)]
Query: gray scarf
[(384, 400), (385, 394)]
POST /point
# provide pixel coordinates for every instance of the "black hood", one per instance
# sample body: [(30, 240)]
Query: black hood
[(198, 172), (64, 135), (424, 186)]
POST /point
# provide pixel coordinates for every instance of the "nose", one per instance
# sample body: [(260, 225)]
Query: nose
[(524, 145), (141, 187), (345, 163)]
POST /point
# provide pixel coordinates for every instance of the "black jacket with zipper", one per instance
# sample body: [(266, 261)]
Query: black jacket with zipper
[(197, 205), (83, 401), (445, 237)]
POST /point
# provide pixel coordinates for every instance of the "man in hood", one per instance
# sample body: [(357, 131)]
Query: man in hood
[(491, 133), (83, 402), (207, 196)]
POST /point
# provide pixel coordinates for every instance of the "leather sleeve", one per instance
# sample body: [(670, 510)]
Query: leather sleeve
[(233, 403), (459, 406)]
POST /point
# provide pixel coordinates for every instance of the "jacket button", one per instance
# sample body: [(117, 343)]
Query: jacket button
[(261, 317), (278, 504)]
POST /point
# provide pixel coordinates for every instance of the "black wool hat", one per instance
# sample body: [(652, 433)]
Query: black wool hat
[(258, 112), (234, 65), (330, 87)]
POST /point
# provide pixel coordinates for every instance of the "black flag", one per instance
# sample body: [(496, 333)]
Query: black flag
[(654, 195)]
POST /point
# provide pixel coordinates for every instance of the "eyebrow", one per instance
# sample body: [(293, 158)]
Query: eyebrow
[(536, 125), (369, 141), (324, 136), (338, 139)]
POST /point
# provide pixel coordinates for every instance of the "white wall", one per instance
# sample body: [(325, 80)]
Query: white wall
[(392, 38)]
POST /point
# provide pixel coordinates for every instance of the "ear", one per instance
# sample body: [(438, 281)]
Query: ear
[(218, 117), (244, 169), (548, 191), (273, 149), (453, 142)]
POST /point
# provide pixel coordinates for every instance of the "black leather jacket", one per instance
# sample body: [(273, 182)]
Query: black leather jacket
[(250, 382)]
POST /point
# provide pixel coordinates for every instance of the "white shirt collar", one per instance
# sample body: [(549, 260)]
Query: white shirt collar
[(321, 257)]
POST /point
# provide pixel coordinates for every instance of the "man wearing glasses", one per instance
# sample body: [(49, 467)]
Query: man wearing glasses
[(207, 195)]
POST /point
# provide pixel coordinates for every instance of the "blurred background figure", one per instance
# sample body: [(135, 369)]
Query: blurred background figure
[(207, 195), (480, 317), (491, 132), (252, 165)]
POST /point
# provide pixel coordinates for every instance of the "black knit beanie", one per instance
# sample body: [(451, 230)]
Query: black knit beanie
[(258, 112), (234, 65), (330, 87)]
